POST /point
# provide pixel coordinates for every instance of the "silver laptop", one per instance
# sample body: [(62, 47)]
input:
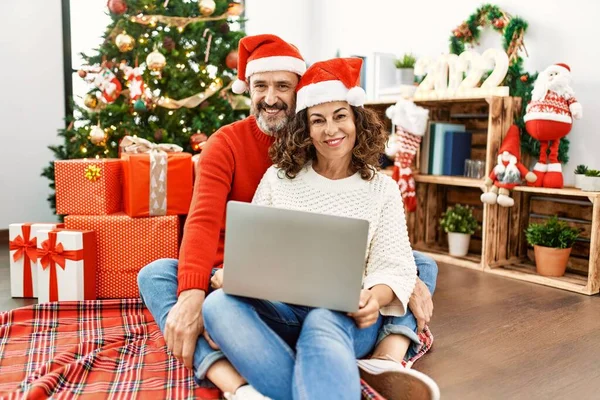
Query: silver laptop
[(294, 257)]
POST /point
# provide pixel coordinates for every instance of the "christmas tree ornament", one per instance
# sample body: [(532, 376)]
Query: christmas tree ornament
[(90, 101), (207, 53), (508, 173), (524, 78), (168, 44), (235, 9), (159, 135), (231, 61), (197, 141), (124, 42), (207, 7), (156, 61), (548, 118), (135, 81), (139, 106), (117, 7), (97, 135), (82, 74), (224, 28), (108, 83), (411, 124)]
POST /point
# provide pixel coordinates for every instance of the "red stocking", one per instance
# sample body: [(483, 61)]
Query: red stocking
[(409, 144)]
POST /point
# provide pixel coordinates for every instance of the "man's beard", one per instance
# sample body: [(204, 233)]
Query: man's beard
[(270, 124)]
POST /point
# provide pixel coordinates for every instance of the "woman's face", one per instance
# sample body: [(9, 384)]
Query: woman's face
[(332, 130)]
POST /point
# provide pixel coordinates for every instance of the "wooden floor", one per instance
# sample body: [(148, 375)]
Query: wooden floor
[(495, 338)]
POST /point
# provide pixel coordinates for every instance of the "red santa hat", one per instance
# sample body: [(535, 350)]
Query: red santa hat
[(265, 53), (331, 80), (512, 142), (565, 66)]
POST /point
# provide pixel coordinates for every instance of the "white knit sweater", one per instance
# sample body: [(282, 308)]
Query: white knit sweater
[(389, 259)]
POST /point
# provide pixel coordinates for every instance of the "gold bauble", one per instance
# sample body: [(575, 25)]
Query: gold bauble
[(235, 9), (156, 61), (97, 135), (90, 101), (124, 42), (207, 7)]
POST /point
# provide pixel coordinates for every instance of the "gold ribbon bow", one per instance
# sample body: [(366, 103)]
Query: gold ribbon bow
[(92, 173)]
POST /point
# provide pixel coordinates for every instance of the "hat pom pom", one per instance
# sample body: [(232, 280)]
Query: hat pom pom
[(356, 96), (239, 86), (390, 111)]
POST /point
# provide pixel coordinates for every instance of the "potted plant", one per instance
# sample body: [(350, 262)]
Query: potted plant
[(405, 73), (552, 243), (591, 181), (579, 174), (459, 223)]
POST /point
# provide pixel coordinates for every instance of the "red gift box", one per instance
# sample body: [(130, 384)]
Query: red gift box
[(124, 246), (157, 178), (88, 186)]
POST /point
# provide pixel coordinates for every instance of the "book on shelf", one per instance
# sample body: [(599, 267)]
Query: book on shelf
[(457, 149), (436, 151)]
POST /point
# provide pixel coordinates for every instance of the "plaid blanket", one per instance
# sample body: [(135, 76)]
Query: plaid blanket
[(96, 349)]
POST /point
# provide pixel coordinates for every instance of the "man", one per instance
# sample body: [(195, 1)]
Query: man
[(231, 166)]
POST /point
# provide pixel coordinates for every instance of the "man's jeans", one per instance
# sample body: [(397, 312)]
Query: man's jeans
[(407, 324)]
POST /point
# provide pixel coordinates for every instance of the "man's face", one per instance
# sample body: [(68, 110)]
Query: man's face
[(273, 99)]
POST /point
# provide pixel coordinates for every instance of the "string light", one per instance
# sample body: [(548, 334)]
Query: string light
[(170, 112), (97, 157), (180, 29), (184, 130)]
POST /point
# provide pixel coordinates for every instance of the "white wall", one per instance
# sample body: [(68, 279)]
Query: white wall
[(558, 32), (31, 106)]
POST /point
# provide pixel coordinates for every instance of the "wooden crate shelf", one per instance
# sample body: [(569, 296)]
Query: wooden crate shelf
[(500, 248)]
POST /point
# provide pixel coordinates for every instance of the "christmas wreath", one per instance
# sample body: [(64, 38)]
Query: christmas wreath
[(520, 82)]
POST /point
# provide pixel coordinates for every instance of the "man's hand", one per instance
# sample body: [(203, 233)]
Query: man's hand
[(421, 305), (368, 310), (184, 325), (216, 282)]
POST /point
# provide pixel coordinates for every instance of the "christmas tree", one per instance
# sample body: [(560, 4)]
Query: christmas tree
[(163, 73)]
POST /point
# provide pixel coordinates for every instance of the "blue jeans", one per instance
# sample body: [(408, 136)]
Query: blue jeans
[(287, 351), (407, 324), (158, 288)]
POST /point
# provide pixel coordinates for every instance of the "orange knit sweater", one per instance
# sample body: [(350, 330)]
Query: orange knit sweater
[(231, 166)]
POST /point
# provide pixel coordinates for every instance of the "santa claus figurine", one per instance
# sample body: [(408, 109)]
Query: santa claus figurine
[(549, 117), (508, 172)]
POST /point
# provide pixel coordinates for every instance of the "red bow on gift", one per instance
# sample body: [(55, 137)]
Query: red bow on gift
[(27, 248), (51, 254)]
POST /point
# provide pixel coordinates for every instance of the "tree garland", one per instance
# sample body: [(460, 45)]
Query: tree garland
[(520, 82)]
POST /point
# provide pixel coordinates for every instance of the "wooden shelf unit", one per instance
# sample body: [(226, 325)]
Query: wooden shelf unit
[(500, 247)]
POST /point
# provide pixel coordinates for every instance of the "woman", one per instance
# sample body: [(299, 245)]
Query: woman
[(325, 165)]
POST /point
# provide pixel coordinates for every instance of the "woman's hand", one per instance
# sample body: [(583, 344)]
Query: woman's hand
[(368, 310), (216, 282)]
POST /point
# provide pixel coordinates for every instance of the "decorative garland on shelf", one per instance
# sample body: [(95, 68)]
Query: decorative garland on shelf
[(519, 81)]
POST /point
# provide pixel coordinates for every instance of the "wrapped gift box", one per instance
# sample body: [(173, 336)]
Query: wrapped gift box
[(124, 246), (155, 184), (66, 265), (88, 186), (23, 257)]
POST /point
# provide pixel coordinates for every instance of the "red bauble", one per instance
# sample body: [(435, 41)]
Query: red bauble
[(524, 78), (117, 6), (82, 73), (499, 23), (232, 60), (197, 141)]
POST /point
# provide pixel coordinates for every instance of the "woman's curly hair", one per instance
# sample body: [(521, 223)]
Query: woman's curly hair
[(293, 148)]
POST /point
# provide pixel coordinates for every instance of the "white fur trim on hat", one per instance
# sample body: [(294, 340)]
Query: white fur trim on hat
[(275, 63), (239, 87), (325, 92)]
